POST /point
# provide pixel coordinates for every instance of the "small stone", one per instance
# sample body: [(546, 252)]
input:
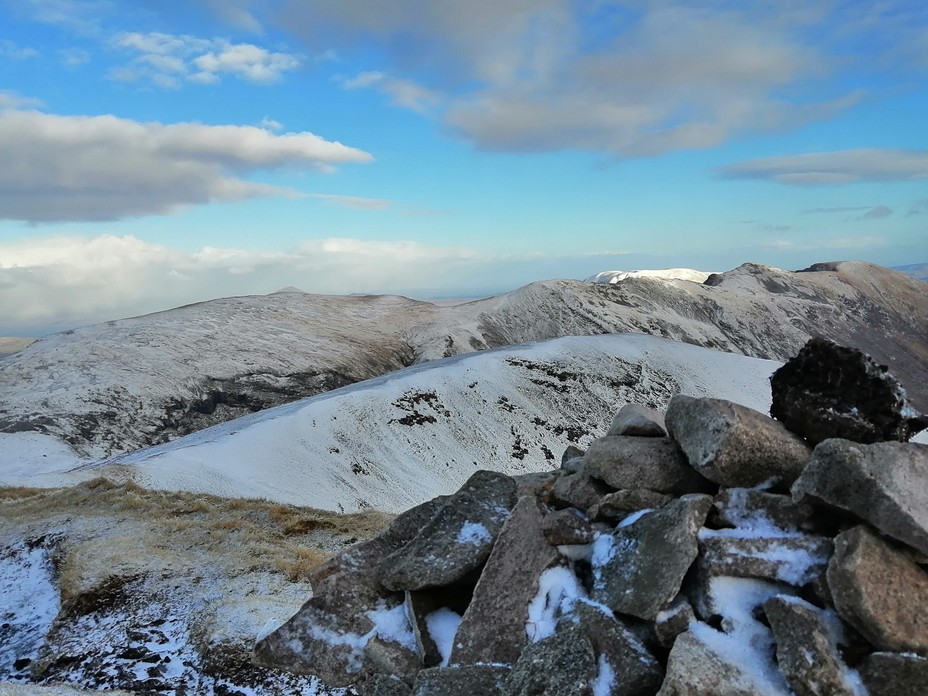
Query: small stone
[(568, 526), (885, 483), (672, 621), (473, 680), (829, 391), (654, 463), (637, 421), (734, 445), (613, 507), (807, 653), (879, 591), (894, 674), (492, 629), (578, 490), (458, 540), (562, 664), (570, 460), (639, 568)]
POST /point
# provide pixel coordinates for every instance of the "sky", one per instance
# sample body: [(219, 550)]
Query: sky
[(159, 152)]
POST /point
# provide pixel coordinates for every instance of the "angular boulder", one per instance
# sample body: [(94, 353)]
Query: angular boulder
[(492, 630), (458, 539), (568, 526), (885, 483), (615, 506), (807, 652), (794, 560), (672, 621), (894, 674), (749, 508), (578, 490), (635, 420), (385, 685), (879, 591), (562, 664), (734, 445), (654, 463), (486, 680), (829, 391), (639, 568)]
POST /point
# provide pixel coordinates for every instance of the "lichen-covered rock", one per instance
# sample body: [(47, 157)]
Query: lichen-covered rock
[(807, 651), (492, 630), (639, 568), (829, 391), (485, 680), (879, 591), (654, 463), (636, 420), (894, 674), (562, 664), (734, 445), (620, 504), (568, 526), (885, 483), (458, 539)]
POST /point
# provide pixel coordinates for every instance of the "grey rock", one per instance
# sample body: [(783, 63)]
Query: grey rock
[(696, 669), (734, 445), (533, 483), (749, 507), (894, 674), (474, 680), (578, 490), (457, 540), (637, 672), (885, 483), (654, 463), (807, 653), (493, 627), (568, 526), (420, 604), (637, 421), (879, 591), (829, 391), (640, 567), (346, 589), (385, 656), (672, 621), (793, 560), (562, 664), (385, 685), (615, 506), (570, 460)]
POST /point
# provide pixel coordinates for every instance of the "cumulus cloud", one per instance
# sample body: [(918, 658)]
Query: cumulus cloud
[(13, 100), (840, 167), (169, 59), (104, 168), (628, 79)]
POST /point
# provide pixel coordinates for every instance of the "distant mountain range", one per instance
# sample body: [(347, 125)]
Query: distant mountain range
[(916, 270), (117, 387)]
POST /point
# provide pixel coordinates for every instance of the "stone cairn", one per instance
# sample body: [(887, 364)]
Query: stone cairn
[(709, 550)]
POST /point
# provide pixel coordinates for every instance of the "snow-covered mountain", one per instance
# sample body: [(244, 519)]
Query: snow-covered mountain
[(663, 273), (398, 440), (123, 385)]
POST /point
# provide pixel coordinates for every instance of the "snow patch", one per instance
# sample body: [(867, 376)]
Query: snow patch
[(557, 587), (442, 625), (634, 517), (604, 682), (474, 533)]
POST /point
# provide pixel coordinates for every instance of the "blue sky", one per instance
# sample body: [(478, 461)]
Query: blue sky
[(159, 152)]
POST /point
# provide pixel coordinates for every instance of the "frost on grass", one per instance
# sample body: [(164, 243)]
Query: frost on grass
[(745, 643), (474, 533), (442, 626), (558, 590), (30, 604)]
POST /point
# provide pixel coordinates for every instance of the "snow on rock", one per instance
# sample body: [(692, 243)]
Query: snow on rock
[(613, 277), (442, 626)]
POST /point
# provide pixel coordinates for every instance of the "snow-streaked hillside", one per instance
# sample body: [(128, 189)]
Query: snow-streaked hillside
[(689, 274), (128, 384), (399, 440)]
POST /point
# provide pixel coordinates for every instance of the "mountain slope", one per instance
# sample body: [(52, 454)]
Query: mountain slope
[(127, 384), (395, 441)]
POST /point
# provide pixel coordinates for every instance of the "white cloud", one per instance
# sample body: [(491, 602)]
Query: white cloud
[(105, 168), (166, 59), (12, 100), (270, 124), (10, 50), (404, 93), (839, 167)]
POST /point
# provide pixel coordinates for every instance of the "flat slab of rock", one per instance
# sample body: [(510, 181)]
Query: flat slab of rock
[(894, 674), (578, 490), (615, 506), (492, 630), (807, 653), (654, 463), (458, 539), (794, 560), (734, 445), (829, 391), (749, 508), (879, 591), (486, 680), (885, 483), (328, 636), (640, 567), (635, 420)]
